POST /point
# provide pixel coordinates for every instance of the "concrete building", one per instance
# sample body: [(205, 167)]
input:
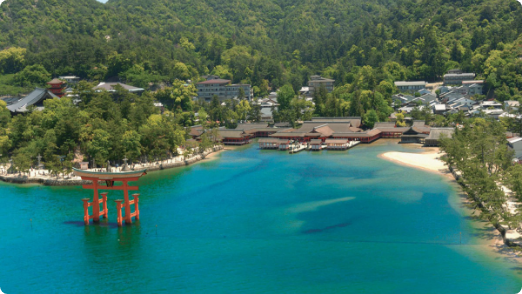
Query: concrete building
[(405, 86), (515, 144), (223, 89), (316, 82), (457, 79), (474, 87)]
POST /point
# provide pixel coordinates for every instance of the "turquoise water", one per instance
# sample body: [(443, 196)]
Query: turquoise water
[(254, 221)]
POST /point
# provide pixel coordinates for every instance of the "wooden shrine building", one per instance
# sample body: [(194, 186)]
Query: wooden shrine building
[(413, 136), (57, 87), (337, 144), (316, 144), (269, 143)]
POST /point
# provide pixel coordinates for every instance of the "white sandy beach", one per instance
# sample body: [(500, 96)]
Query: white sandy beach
[(430, 161)]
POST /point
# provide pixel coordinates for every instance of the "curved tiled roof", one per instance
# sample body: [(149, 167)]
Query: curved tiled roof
[(436, 133), (33, 98)]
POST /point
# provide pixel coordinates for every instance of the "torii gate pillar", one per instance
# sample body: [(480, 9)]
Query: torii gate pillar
[(110, 178)]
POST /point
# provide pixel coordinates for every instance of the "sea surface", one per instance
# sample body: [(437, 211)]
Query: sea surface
[(254, 221)]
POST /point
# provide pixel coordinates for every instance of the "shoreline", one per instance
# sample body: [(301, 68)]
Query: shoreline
[(76, 181), (490, 238), (428, 161)]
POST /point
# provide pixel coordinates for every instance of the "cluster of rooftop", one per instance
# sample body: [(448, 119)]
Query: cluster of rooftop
[(58, 87), (324, 131)]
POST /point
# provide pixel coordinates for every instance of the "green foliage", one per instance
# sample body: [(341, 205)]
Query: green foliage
[(22, 161), (479, 151), (284, 96), (32, 76), (364, 45), (12, 60), (370, 118), (242, 109), (178, 97)]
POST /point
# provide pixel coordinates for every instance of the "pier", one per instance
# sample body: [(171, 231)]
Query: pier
[(295, 149)]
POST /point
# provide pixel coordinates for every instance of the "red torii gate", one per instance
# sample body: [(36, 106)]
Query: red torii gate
[(110, 178)]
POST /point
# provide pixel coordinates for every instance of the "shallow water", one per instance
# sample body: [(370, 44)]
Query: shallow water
[(255, 221)]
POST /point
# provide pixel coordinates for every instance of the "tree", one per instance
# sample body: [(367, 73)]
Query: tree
[(5, 115), (32, 75), (178, 97), (514, 180), (370, 118), (12, 60), (456, 53), (205, 143), (255, 112), (131, 144), (400, 120), (241, 94), (99, 147), (242, 109), (284, 96), (22, 161)]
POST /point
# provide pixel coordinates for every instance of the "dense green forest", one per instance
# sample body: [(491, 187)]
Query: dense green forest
[(271, 44), (267, 43)]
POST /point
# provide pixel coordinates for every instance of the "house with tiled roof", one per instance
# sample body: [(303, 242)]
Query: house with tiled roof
[(35, 98)]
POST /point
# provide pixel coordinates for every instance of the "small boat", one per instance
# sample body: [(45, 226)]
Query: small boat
[(109, 176)]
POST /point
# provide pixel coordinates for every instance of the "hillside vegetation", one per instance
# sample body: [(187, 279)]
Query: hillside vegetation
[(272, 44), (265, 42)]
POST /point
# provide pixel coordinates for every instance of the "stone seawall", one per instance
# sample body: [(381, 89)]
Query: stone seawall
[(45, 182), (62, 182)]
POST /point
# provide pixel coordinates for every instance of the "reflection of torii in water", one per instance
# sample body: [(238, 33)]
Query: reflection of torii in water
[(109, 179)]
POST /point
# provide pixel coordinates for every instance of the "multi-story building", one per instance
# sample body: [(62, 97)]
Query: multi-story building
[(316, 82), (405, 86), (223, 89), (457, 79)]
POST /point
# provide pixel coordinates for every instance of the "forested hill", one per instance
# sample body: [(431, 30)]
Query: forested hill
[(264, 42)]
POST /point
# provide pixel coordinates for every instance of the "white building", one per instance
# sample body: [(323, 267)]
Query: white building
[(405, 86)]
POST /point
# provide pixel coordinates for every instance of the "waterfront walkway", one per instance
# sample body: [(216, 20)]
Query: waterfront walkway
[(64, 179)]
